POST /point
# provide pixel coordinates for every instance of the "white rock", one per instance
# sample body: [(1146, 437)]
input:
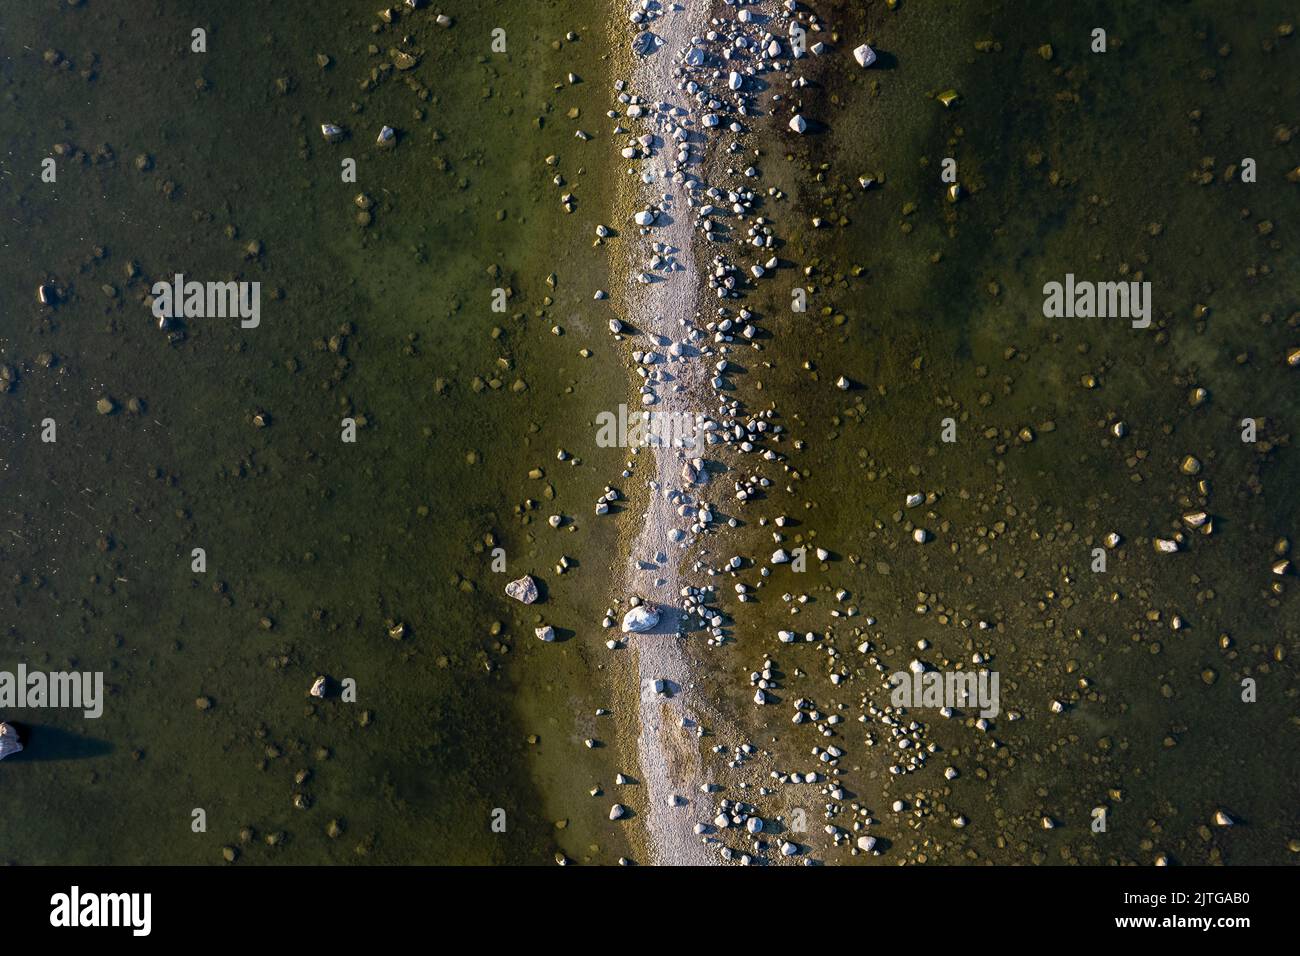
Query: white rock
[(866, 843), (798, 123), (317, 688), (546, 633), (640, 619), (617, 811), (524, 589), (865, 56)]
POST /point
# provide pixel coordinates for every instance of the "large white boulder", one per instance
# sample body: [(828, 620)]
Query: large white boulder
[(524, 589), (641, 618), (865, 56)]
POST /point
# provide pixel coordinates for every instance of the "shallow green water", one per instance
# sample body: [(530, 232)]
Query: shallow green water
[(328, 543)]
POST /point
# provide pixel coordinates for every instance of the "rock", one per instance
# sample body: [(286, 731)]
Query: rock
[(524, 589), (546, 633), (617, 811), (643, 44), (865, 56), (640, 619), (866, 843), (798, 123), (403, 60), (9, 744), (318, 687)]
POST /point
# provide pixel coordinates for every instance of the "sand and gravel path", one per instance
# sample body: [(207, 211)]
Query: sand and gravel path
[(669, 754)]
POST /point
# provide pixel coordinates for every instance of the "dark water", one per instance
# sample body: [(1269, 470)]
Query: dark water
[(317, 548), (314, 547)]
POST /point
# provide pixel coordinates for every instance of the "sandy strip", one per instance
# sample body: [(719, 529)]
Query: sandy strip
[(669, 754)]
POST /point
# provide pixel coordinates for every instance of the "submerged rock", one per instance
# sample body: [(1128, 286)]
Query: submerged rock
[(9, 744)]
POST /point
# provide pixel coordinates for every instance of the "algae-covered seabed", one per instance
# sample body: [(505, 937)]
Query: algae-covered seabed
[(316, 548), (328, 542)]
